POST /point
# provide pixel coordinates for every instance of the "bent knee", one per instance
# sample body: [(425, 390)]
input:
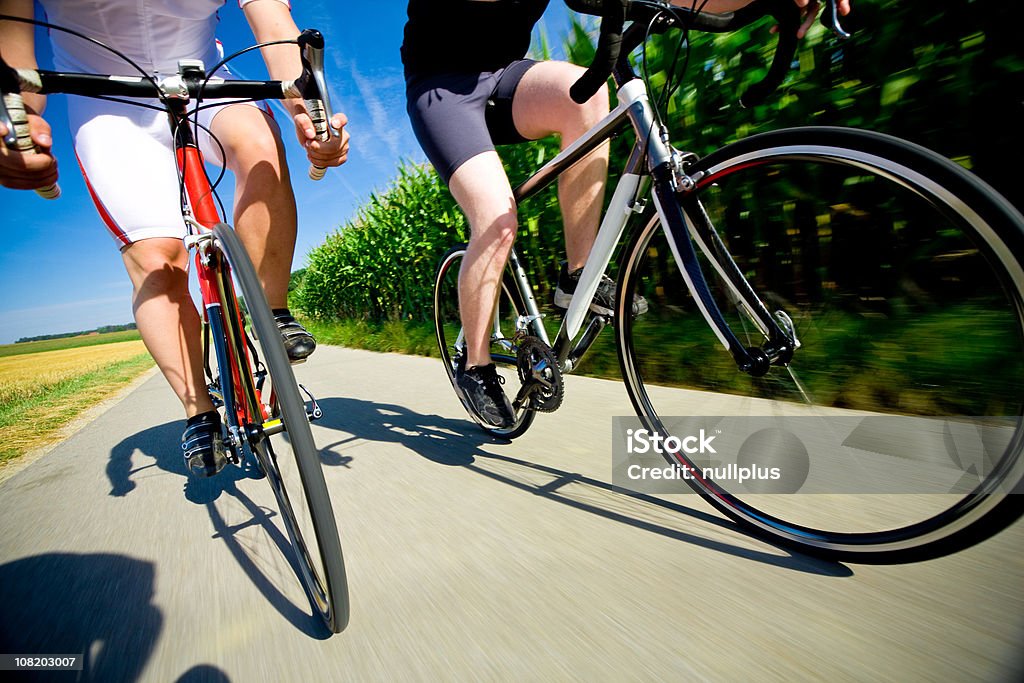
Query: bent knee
[(505, 227), (259, 150), (499, 232), (596, 108), (157, 265), (249, 138)]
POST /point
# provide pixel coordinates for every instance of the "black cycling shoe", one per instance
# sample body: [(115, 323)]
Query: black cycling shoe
[(298, 343), (603, 302), (203, 445), (481, 385)]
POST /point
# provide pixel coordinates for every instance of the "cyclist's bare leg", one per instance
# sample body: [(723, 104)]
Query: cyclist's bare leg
[(167, 319), (542, 107), (482, 190), (264, 214)]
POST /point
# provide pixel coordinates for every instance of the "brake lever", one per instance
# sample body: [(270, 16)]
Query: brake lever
[(320, 110), (312, 43), (830, 19)]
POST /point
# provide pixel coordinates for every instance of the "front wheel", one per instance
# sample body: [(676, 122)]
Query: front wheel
[(899, 418), (509, 318), (286, 452)]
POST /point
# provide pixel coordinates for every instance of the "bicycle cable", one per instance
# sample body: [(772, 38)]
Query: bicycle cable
[(184, 164), (670, 87), (214, 184)]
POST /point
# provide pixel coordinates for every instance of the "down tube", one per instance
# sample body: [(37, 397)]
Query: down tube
[(674, 224)]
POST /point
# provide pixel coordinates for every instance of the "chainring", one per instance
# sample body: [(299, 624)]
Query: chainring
[(538, 366)]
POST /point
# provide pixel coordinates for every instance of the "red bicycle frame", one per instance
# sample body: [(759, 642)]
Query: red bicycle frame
[(214, 274)]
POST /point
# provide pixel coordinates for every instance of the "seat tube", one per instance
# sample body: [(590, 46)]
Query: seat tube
[(526, 291)]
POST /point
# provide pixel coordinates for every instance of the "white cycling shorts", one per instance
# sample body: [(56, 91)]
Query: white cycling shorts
[(127, 159)]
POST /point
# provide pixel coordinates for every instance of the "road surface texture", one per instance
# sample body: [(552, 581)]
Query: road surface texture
[(468, 559)]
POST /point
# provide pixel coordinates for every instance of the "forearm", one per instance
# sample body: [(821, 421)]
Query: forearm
[(17, 45), (714, 6), (721, 6), (271, 20), (808, 9)]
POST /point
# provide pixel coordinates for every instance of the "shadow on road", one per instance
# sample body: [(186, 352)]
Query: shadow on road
[(96, 605), (458, 443), (204, 673), (161, 444)]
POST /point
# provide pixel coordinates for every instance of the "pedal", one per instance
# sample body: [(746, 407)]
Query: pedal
[(315, 413), (216, 395)]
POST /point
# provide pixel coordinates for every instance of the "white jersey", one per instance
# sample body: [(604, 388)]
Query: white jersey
[(155, 34), (113, 141)]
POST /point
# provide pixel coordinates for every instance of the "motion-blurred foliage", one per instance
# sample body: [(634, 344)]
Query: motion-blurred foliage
[(949, 76)]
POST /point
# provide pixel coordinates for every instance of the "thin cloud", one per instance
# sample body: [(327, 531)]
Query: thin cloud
[(384, 129), (382, 95), (38, 311)]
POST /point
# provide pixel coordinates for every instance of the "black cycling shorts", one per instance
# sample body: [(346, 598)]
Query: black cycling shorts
[(456, 116)]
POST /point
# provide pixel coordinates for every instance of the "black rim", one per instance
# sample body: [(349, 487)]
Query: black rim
[(327, 591), (442, 295)]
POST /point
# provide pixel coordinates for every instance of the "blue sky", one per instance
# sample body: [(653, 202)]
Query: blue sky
[(61, 272)]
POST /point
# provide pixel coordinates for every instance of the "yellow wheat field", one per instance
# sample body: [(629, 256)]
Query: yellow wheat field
[(27, 375)]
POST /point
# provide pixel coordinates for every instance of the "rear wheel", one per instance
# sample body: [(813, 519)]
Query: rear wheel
[(902, 409), (286, 452), (509, 317)]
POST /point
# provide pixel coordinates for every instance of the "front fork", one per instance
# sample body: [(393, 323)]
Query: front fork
[(224, 385), (780, 343)]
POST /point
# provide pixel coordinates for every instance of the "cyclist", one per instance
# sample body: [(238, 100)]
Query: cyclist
[(468, 87), (125, 155)]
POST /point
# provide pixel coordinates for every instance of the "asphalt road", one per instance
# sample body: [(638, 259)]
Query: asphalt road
[(468, 559)]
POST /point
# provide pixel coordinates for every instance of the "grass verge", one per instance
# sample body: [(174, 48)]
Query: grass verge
[(33, 421), (68, 343), (409, 337), (847, 361)]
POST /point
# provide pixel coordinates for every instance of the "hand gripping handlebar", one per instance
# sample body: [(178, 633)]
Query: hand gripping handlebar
[(314, 91), (614, 14), (14, 118)]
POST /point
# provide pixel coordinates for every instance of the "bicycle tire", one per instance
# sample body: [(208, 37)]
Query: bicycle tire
[(448, 329), (943, 252), (325, 584)]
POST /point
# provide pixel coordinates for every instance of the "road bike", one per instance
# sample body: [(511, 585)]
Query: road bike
[(266, 413), (861, 291)]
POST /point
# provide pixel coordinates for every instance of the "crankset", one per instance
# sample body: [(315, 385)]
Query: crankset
[(539, 373)]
